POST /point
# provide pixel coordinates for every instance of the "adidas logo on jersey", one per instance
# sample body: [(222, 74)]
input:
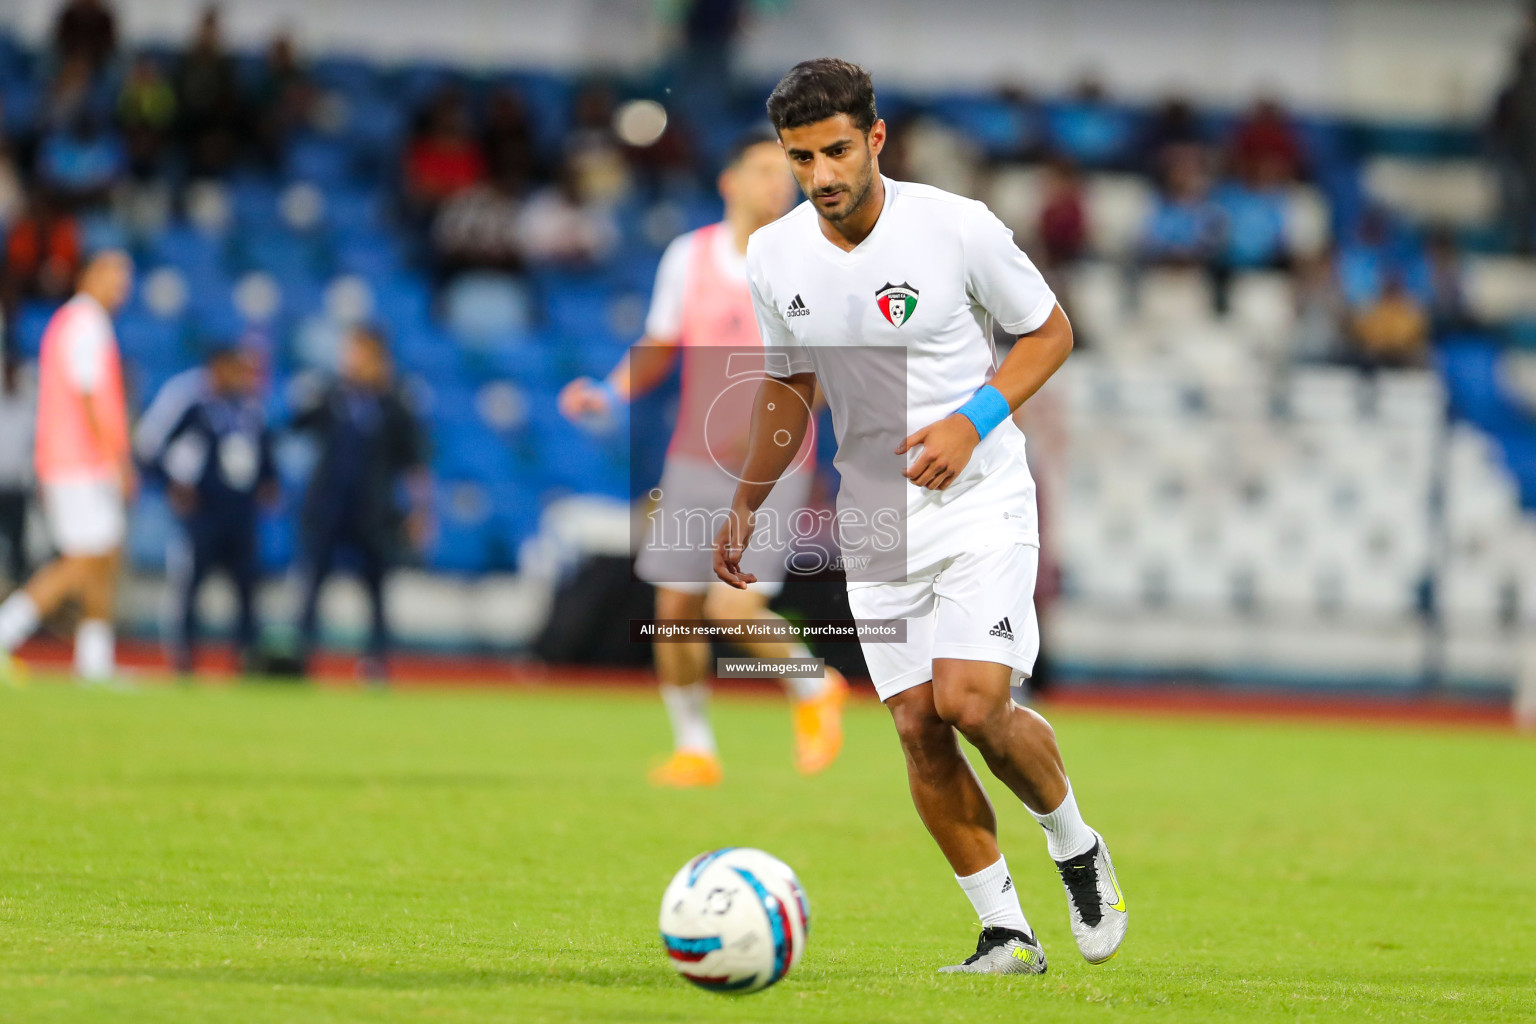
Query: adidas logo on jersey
[(797, 307), (1004, 629)]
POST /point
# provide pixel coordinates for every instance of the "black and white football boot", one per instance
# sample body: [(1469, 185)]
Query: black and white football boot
[(1095, 902), (1002, 951)]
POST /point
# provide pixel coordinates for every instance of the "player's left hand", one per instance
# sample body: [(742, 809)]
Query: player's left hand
[(947, 447)]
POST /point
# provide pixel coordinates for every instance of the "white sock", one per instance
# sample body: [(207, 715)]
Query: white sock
[(1066, 834), (992, 893), (95, 653), (804, 687), (688, 707), (18, 620)]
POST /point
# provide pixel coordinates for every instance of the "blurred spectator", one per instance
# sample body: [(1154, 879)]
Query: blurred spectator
[(210, 110), (69, 94), (1448, 308), (1266, 136), (13, 196), (1377, 248), (562, 225), (18, 412), (478, 229), (1089, 129), (205, 437), (1063, 215), (444, 158), (42, 255), (1513, 143), (146, 110), (1319, 330), (81, 164), (1254, 206), (283, 99), (1393, 331), (85, 29), (370, 442), (1174, 126), (1185, 226), (511, 157)]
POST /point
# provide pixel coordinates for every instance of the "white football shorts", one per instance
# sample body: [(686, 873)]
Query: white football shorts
[(678, 550), (975, 606), (85, 517)]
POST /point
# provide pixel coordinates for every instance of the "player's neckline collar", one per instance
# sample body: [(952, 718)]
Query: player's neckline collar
[(858, 251)]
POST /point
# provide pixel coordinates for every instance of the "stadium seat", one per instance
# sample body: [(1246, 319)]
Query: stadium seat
[(1500, 288), (482, 305), (1118, 205), (1456, 193)]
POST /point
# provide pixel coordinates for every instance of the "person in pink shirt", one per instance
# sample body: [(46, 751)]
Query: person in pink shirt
[(702, 310), (84, 470)]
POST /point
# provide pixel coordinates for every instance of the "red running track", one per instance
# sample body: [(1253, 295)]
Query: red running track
[(421, 670)]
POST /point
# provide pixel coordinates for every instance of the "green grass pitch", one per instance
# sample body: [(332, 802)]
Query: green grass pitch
[(268, 854)]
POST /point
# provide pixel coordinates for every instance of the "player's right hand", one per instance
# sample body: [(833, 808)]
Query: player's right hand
[(583, 399), (730, 544)]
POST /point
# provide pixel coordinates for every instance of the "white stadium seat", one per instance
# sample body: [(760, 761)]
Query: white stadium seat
[(1458, 193), (1500, 288), (1118, 206)]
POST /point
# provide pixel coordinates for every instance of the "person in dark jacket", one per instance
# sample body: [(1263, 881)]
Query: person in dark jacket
[(206, 438), (371, 449)]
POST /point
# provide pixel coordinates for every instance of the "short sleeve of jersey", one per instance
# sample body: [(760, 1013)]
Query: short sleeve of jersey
[(785, 356), (999, 277), (664, 322), (85, 349)]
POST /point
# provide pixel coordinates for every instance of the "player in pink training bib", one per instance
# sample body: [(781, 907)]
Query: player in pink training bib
[(84, 470), (702, 309)]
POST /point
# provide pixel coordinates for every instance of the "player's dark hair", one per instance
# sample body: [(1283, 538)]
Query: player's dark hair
[(815, 90), (744, 142)]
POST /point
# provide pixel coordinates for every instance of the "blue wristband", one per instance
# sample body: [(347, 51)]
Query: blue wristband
[(985, 409)]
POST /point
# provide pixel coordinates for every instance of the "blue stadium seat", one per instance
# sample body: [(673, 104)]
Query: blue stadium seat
[(147, 338), (30, 324), (1000, 128), (1470, 367), (484, 305), (325, 162), (369, 253), (187, 249)]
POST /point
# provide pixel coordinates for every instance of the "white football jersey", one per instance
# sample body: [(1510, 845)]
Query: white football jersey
[(931, 279)]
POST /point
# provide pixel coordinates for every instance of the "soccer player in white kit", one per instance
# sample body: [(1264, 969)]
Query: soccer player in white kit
[(702, 308), (871, 262), (84, 471)]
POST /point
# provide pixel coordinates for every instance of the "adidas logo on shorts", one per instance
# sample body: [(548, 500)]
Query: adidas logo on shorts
[(1004, 629)]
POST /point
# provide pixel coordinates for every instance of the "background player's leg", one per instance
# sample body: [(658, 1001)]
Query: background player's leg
[(374, 567), (21, 613), (315, 566), (188, 565), (95, 638), (681, 669), (818, 699), (241, 561)]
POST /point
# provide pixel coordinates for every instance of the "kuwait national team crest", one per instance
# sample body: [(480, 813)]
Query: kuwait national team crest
[(897, 302)]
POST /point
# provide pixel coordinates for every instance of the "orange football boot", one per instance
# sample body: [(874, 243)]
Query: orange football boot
[(819, 725), (688, 769)]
